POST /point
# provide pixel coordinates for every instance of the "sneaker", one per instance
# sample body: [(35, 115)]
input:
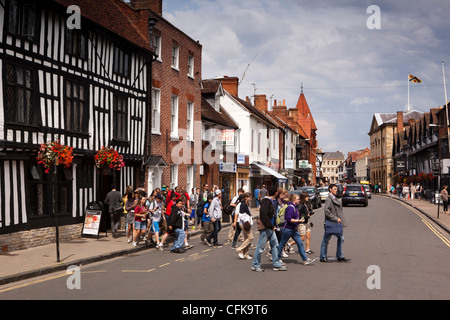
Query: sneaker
[(134, 244), (257, 269), (159, 247), (248, 257), (309, 251), (269, 255), (282, 268), (308, 261), (241, 255), (218, 245), (290, 249), (284, 254), (282, 263), (189, 246)]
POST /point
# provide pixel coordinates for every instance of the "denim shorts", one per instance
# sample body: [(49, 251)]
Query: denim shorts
[(138, 225)]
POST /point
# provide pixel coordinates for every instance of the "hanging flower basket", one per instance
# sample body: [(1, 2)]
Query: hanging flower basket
[(54, 153), (109, 159)]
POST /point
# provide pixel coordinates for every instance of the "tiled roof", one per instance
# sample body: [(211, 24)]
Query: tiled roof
[(116, 16), (222, 117)]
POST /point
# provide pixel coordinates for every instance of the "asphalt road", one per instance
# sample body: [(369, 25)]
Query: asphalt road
[(394, 255)]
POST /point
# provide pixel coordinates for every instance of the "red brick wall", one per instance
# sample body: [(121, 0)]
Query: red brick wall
[(171, 81)]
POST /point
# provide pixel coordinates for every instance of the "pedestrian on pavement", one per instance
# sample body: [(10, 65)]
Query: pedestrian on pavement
[(176, 226), (245, 222), (290, 228), (130, 205), (194, 201), (304, 227), (256, 193), (412, 190), (444, 195), (405, 191), (267, 233), (207, 224), (115, 208), (333, 212), (263, 192), (399, 190), (140, 220), (215, 212), (418, 191)]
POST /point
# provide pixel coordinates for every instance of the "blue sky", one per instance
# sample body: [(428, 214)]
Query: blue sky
[(348, 71)]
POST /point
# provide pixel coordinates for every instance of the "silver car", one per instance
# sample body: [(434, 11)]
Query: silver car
[(323, 193)]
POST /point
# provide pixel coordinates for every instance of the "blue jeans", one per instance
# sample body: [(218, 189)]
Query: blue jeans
[(324, 246), (264, 236), (180, 234), (214, 235), (294, 234)]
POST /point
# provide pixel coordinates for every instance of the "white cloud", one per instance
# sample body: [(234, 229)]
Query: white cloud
[(348, 71)]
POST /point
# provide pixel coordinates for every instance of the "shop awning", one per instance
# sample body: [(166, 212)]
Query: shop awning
[(265, 171)]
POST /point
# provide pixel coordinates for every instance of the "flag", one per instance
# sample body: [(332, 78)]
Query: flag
[(414, 79)]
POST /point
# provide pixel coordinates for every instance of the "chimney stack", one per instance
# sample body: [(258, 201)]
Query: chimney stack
[(261, 102), (154, 5), (230, 84), (399, 121)]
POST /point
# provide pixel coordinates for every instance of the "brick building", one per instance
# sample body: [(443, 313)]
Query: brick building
[(176, 105), (301, 120)]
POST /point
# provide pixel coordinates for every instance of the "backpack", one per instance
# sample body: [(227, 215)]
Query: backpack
[(228, 209), (281, 215)]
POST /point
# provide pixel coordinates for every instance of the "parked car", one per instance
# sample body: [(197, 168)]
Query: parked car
[(323, 193), (354, 194), (367, 189), (314, 196)]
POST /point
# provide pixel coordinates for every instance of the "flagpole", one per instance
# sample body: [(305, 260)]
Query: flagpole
[(407, 107), (446, 106), (445, 88)]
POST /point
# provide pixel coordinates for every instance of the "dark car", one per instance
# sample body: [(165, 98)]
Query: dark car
[(367, 189), (314, 196), (354, 194)]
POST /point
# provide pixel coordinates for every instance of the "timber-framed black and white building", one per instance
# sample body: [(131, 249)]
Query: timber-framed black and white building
[(87, 87)]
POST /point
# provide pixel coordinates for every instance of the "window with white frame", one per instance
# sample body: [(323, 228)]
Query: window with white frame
[(174, 117), (190, 65), (190, 121), (175, 55), (156, 113), (157, 45), (252, 142), (190, 178), (173, 176)]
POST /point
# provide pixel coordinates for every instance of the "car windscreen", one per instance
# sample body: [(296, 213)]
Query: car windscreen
[(353, 188)]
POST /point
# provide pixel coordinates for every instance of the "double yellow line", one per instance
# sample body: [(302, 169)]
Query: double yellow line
[(436, 232), (433, 229)]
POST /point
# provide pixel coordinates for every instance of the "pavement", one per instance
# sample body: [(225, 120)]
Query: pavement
[(32, 262), (37, 261)]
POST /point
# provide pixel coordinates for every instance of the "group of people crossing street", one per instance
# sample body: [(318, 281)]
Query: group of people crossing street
[(284, 220)]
